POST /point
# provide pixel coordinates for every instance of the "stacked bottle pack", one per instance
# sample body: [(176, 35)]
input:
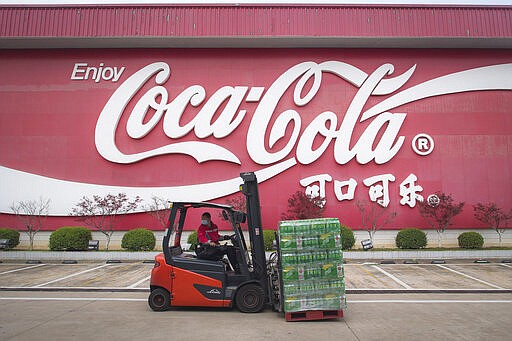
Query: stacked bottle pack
[(312, 265)]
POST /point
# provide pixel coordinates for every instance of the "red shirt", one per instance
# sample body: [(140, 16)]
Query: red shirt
[(207, 233)]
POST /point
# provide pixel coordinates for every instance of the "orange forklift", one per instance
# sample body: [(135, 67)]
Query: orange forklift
[(182, 279)]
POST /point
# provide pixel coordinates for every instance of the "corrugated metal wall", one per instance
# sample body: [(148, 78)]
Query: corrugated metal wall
[(255, 21)]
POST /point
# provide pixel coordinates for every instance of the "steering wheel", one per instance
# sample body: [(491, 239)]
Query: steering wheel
[(233, 239)]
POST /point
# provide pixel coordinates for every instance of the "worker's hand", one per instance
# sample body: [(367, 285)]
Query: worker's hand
[(212, 243)]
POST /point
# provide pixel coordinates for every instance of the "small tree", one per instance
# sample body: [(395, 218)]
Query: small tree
[(303, 206), (32, 214), (159, 208), (238, 202), (374, 216), (440, 212), (492, 216), (101, 212)]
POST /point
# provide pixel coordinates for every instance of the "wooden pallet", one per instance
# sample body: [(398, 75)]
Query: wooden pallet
[(311, 315)]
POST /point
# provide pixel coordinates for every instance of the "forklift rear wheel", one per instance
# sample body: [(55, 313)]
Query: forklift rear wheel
[(250, 298), (159, 299)]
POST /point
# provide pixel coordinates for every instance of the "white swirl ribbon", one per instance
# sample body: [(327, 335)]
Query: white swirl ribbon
[(64, 195)]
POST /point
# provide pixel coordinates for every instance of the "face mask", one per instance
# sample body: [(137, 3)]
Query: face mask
[(204, 222)]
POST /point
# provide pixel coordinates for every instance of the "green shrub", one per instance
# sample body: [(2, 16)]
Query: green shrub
[(70, 238), (411, 238), (347, 238), (470, 240), (12, 235), (138, 240), (268, 239), (193, 240)]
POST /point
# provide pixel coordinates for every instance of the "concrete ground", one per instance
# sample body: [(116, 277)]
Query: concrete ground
[(362, 276), (96, 300), (110, 316)]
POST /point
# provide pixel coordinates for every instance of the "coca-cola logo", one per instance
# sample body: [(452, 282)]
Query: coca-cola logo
[(333, 127), (380, 140)]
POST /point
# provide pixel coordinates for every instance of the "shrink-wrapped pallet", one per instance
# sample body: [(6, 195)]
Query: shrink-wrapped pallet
[(312, 265)]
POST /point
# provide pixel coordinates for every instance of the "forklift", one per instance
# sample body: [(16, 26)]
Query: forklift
[(181, 279)]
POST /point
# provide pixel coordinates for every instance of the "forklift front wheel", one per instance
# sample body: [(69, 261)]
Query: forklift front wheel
[(159, 299), (250, 298)]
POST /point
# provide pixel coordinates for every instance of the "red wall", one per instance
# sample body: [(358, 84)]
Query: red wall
[(48, 121)]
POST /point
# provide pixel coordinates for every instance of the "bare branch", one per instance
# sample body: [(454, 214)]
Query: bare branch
[(374, 216), (440, 216), (159, 208), (493, 217), (303, 206), (32, 214), (101, 212)]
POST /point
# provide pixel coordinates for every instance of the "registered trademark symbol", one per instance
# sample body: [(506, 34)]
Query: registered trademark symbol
[(423, 144)]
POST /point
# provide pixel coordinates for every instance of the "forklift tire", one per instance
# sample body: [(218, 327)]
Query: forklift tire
[(250, 298), (159, 299)]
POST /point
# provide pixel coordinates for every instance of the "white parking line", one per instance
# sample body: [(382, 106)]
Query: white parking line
[(120, 299), (506, 265), (429, 301), (120, 289), (25, 268), (430, 264), (424, 290), (405, 285), (138, 282), (72, 299), (468, 276), (69, 276)]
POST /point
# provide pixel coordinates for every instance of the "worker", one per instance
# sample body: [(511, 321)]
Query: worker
[(209, 246)]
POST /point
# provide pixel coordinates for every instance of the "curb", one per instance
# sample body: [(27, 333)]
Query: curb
[(425, 254), (61, 256), (102, 256)]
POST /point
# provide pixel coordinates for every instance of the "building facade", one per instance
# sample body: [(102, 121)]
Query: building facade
[(352, 103)]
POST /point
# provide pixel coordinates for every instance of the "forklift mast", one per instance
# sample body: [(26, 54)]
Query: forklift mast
[(250, 190)]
